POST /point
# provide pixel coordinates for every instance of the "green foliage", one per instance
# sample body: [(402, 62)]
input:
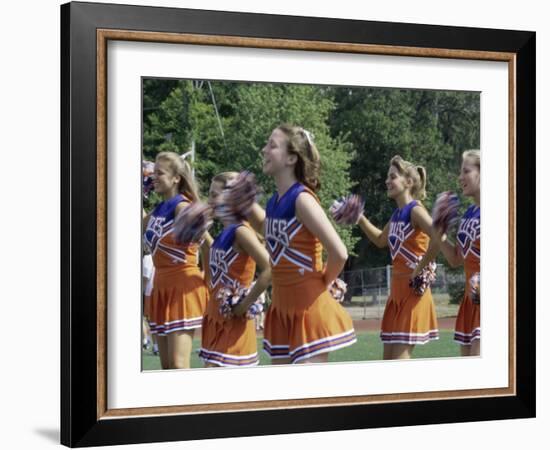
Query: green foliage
[(455, 285)]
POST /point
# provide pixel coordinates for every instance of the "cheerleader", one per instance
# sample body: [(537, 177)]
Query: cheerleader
[(148, 271), (409, 317), (230, 339), (303, 323), (179, 295), (465, 252)]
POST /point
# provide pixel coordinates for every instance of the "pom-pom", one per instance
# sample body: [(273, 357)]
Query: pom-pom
[(148, 169), (424, 279), (475, 282), (230, 296), (255, 309), (192, 223), (236, 200), (338, 289), (444, 211), (347, 210)]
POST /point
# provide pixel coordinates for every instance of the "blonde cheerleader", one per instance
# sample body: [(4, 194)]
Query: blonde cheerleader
[(466, 251), (409, 317), (179, 295)]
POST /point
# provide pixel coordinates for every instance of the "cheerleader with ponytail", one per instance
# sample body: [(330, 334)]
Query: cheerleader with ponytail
[(409, 317), (179, 294)]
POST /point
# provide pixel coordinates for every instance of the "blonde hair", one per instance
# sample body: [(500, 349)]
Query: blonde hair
[(474, 155), (300, 143), (224, 178), (416, 173), (180, 167)]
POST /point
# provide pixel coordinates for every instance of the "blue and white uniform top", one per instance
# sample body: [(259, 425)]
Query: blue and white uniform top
[(469, 233), (226, 265), (407, 245), (469, 240), (295, 254), (160, 239)]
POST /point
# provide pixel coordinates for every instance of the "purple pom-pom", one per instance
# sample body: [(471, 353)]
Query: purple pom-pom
[(347, 210), (148, 169), (424, 279), (230, 296), (444, 211), (192, 223), (236, 200), (475, 282), (338, 289)]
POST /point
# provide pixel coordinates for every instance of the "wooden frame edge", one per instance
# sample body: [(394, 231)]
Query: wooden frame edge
[(301, 403), (101, 189), (512, 200), (289, 44)]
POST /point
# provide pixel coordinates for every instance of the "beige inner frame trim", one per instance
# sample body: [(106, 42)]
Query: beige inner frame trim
[(105, 35)]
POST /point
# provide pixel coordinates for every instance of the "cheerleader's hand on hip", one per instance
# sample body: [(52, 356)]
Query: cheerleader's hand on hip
[(240, 309)]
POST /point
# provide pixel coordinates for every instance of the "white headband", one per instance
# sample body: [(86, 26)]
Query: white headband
[(309, 136)]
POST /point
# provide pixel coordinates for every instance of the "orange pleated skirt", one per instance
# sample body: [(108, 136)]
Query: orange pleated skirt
[(178, 300), (467, 328), (227, 342), (304, 321), (408, 318)]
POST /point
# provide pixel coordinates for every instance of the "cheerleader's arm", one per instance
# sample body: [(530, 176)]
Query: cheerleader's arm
[(451, 253), (247, 241), (310, 213), (256, 218), (377, 236), (438, 241), (422, 220), (145, 219), (205, 255)]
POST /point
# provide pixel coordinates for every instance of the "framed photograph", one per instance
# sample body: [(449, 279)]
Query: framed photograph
[(123, 70)]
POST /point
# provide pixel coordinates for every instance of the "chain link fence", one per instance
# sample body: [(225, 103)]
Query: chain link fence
[(368, 290)]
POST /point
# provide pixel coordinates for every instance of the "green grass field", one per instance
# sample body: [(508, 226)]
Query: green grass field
[(367, 348)]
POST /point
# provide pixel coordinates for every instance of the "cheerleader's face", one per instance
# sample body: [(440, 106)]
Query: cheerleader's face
[(469, 178), (275, 154), (164, 179), (216, 188), (396, 183)]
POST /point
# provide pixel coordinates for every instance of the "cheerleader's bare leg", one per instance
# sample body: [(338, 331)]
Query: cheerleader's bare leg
[(162, 342), (474, 348), (322, 358), (180, 344), (402, 351), (388, 351), (278, 361)]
